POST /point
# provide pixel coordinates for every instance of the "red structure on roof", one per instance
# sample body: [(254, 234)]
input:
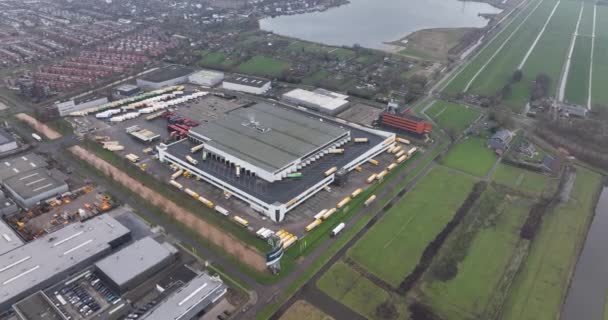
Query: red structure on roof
[(406, 122)]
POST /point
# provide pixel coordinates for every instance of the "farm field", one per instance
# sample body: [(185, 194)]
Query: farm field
[(452, 116), (471, 156), (577, 88), (533, 183), (540, 287), (600, 58), (550, 53), (392, 248), (353, 290), (484, 247), (302, 310), (501, 68), (264, 66), (459, 82)]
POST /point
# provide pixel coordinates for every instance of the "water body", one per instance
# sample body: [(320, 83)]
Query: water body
[(370, 23), (587, 293)]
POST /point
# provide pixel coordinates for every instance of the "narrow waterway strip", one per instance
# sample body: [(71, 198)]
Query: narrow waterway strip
[(501, 46), (566, 71), (591, 63), (540, 34)]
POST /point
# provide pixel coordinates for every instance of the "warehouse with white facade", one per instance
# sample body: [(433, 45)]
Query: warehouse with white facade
[(320, 100), (52, 257), (127, 268), (247, 84), (165, 77), (190, 300), (260, 145)]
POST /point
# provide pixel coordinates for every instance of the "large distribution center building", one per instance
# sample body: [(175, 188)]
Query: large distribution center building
[(319, 100), (206, 78), (31, 187), (190, 300), (165, 77), (258, 146), (132, 265), (52, 257)]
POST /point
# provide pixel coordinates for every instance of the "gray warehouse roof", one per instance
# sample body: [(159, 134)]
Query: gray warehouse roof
[(200, 292), (9, 240), (248, 81), (135, 259), (6, 137), (14, 166), (267, 136), (167, 73), (49, 256), (33, 183)]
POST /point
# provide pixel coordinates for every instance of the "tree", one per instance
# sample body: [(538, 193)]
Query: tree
[(517, 76), (503, 117), (386, 310), (540, 88)]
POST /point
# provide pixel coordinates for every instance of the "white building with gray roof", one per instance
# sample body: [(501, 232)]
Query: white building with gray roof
[(53, 257), (190, 300), (127, 268), (31, 187)]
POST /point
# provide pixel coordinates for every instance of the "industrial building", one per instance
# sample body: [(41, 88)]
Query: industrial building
[(67, 107), (165, 77), (9, 240), (55, 256), (7, 205), (20, 164), (247, 84), (320, 100), (31, 187), (7, 141), (406, 122), (190, 300), (37, 306), (206, 78), (125, 90), (132, 265), (250, 152)]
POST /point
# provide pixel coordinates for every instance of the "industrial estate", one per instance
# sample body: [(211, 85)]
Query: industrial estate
[(175, 161)]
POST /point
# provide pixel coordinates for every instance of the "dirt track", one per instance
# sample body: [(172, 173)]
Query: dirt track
[(231, 245), (39, 126)]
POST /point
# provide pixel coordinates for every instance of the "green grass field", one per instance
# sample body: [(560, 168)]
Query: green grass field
[(471, 156), (577, 88), (264, 66), (459, 82), (600, 58), (352, 289), (315, 77), (452, 116), (342, 53), (541, 285), (212, 59), (533, 183), (491, 230), (392, 248), (302, 310), (500, 70)]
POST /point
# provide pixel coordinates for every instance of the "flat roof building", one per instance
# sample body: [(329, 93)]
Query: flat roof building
[(9, 240), (67, 107), (164, 77), (7, 141), (55, 256), (33, 186), (126, 90), (206, 78), (190, 300), (132, 265), (36, 307), (251, 151), (247, 84), (319, 100), (20, 164), (268, 141)]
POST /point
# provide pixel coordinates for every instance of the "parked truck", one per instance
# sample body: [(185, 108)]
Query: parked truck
[(192, 160), (338, 229)]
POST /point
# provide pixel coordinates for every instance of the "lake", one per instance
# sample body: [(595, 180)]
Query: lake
[(370, 23)]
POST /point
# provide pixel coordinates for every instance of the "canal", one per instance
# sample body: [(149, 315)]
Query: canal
[(587, 293)]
